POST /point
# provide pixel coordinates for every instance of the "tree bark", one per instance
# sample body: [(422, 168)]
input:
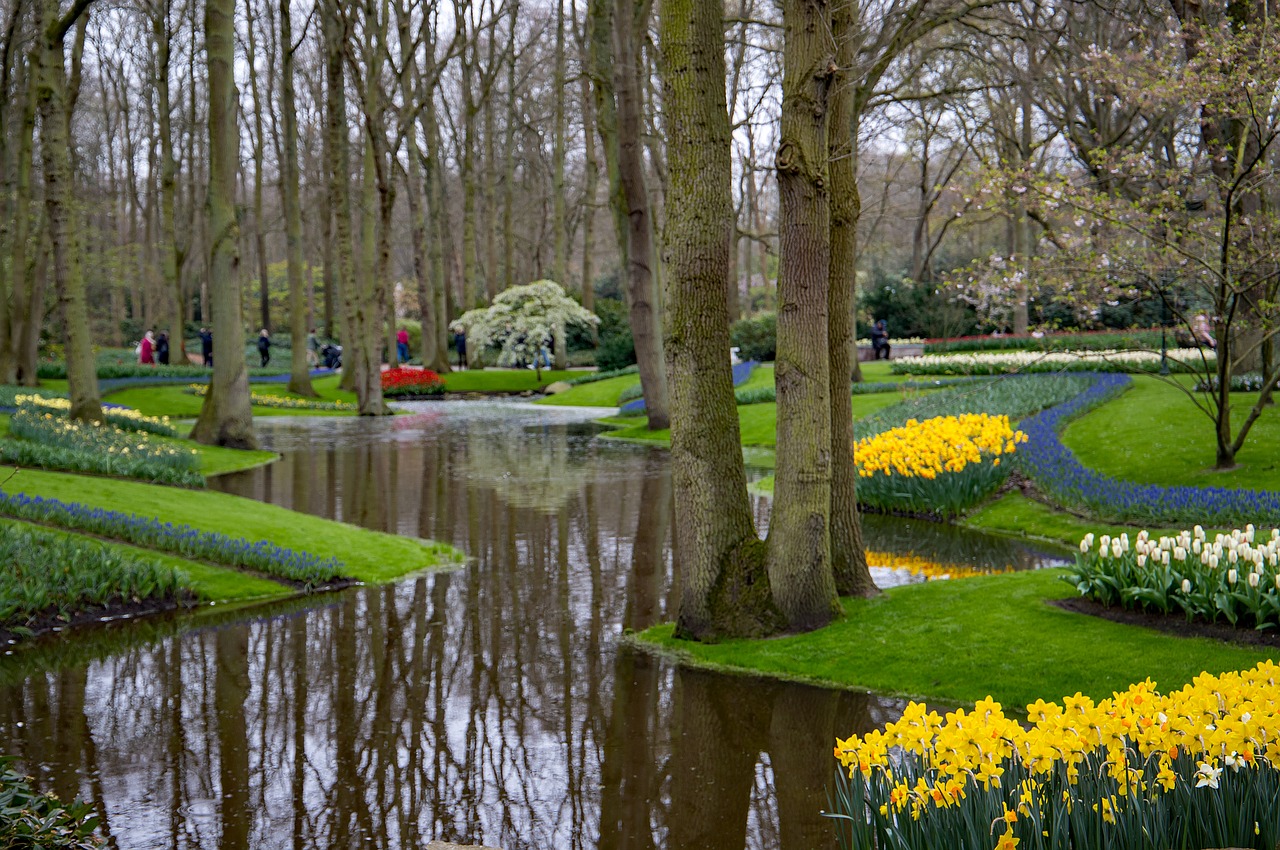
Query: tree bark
[(723, 580), (60, 220), (800, 529), (226, 417), (259, 144), (848, 555), (170, 254), (299, 368), (337, 149)]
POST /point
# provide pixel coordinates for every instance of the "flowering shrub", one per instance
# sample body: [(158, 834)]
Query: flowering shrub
[(941, 465), (521, 319), (1232, 577), (280, 401), (1059, 474), (52, 442), (1198, 767), (301, 567), (125, 418), (1003, 362), (52, 575), (402, 382)]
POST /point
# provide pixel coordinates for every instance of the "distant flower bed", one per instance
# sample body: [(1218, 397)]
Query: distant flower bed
[(50, 441), (1197, 767), (592, 377), (1059, 474), (1232, 577), (123, 418), (940, 466), (909, 340), (998, 363), (1014, 396), (52, 576), (1050, 341), (57, 370), (759, 395), (301, 567), (1249, 382), (280, 401), (411, 382)]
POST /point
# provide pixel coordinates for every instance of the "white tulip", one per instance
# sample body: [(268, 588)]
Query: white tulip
[(1253, 579), (1186, 585), (1232, 576)]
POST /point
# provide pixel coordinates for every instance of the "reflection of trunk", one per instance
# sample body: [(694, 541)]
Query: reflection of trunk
[(231, 688), (799, 537), (300, 701), (717, 737), (802, 734), (648, 551), (628, 784), (848, 556)]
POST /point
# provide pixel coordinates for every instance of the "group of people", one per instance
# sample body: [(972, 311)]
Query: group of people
[(154, 350)]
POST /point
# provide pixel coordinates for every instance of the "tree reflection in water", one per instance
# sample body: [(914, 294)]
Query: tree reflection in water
[(490, 704)]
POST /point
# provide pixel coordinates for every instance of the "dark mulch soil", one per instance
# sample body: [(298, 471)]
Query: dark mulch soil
[(96, 615), (1174, 624)]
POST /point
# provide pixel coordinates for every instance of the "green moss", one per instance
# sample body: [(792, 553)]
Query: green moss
[(958, 641), (369, 556)]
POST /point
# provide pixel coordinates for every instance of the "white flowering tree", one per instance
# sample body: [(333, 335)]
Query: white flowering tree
[(523, 320)]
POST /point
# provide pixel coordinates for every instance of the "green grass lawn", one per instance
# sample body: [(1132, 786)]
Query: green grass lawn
[(959, 641), (368, 556), (1154, 434), (595, 394), (503, 380), (173, 401)]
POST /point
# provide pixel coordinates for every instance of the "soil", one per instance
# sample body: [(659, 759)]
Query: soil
[(95, 616), (1174, 624)]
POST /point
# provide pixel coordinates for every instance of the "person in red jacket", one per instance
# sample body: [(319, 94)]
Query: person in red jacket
[(147, 349), (402, 345)]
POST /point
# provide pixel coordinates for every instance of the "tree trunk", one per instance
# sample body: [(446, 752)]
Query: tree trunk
[(59, 194), (169, 252), (435, 200), (337, 148), (259, 144), (589, 202), (299, 368), (800, 533), (643, 298), (723, 578), (848, 555), (559, 208), (226, 417), (16, 368)]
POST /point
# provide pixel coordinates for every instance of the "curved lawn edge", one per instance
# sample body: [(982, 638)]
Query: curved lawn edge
[(961, 640)]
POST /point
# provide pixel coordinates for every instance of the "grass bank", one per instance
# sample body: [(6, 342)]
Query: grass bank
[(504, 380), (368, 556), (959, 641), (174, 401)]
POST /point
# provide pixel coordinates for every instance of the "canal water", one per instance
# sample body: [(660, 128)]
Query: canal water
[(494, 703)]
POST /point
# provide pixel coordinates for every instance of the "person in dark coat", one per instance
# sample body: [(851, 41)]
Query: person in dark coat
[(162, 349), (880, 340), (264, 347), (206, 346), (460, 345)]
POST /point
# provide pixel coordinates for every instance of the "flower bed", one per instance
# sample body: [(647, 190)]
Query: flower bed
[(398, 383), (1086, 340), (280, 401), (1060, 475), (999, 363), (1249, 382), (1011, 396), (1232, 577), (939, 466), (124, 418), (301, 567), (1198, 767), (51, 442), (52, 577)]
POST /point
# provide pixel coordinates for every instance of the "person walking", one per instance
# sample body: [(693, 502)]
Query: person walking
[(206, 347), (162, 349), (880, 340), (460, 345), (264, 347), (147, 349), (313, 349), (402, 345)]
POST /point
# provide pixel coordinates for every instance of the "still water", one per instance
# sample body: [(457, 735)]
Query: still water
[(491, 704)]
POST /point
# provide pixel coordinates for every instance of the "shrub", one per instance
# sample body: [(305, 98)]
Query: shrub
[(756, 338), (301, 567), (30, 819), (51, 575), (411, 382)]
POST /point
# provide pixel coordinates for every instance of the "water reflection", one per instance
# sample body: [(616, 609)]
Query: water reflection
[(491, 704)]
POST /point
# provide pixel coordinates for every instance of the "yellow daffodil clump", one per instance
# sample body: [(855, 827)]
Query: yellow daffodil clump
[(938, 466), (1198, 767)]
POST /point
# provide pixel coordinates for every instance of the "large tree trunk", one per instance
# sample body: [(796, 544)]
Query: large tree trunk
[(170, 259), (299, 368), (848, 556), (15, 368), (259, 145), (800, 528), (226, 417), (337, 148), (60, 221), (643, 298), (723, 578), (435, 229)]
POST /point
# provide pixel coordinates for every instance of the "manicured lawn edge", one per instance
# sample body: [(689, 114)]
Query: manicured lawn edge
[(958, 641)]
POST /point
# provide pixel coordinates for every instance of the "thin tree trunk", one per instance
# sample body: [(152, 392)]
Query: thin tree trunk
[(226, 417), (169, 252), (559, 207), (337, 148), (723, 578), (17, 369), (259, 144), (848, 555), (299, 369), (800, 528), (591, 190), (435, 200)]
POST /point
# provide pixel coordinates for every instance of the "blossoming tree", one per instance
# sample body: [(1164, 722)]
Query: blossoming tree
[(522, 319)]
